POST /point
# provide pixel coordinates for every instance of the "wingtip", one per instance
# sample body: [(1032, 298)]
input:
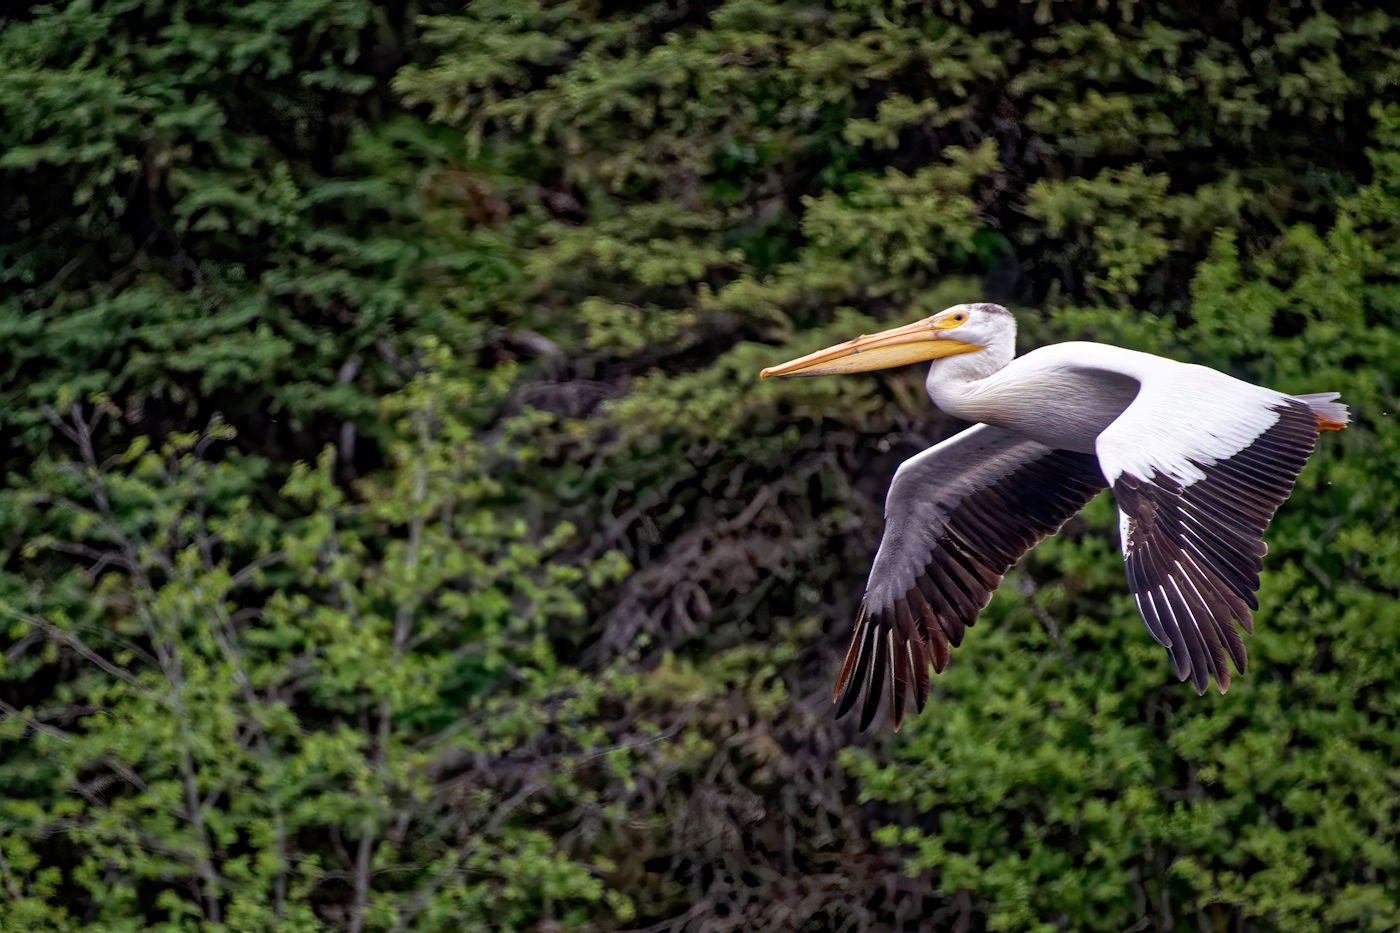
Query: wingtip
[(1331, 414), (867, 715)]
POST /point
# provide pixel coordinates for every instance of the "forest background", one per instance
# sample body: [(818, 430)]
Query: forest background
[(394, 534)]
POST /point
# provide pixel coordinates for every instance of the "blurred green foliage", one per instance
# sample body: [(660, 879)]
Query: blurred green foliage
[(395, 535)]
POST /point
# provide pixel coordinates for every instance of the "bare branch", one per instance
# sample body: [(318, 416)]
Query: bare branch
[(19, 714), (72, 640)]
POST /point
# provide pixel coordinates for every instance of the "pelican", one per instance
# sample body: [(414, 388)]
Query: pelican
[(1198, 462)]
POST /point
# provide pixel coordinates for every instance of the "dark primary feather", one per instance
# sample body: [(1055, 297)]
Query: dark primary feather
[(956, 518), (1193, 553)]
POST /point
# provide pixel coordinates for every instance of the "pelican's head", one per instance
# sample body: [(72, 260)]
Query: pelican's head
[(960, 329)]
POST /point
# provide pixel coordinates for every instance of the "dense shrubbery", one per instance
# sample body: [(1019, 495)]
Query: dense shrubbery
[(395, 536)]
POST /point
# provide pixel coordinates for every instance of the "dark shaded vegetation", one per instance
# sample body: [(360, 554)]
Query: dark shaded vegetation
[(395, 534)]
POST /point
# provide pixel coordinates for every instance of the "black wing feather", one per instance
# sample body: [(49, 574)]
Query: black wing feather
[(1194, 553), (966, 541)]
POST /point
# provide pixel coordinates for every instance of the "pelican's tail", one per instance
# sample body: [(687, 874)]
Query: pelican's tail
[(1331, 414)]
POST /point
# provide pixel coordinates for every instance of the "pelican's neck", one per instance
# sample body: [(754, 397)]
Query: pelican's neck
[(957, 384)]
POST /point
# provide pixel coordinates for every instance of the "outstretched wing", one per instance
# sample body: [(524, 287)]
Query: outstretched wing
[(957, 517), (1199, 463)]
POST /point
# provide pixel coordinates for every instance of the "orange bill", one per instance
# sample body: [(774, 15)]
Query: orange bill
[(912, 343)]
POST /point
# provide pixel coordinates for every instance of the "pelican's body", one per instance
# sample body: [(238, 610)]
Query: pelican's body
[(1198, 460), (1062, 395)]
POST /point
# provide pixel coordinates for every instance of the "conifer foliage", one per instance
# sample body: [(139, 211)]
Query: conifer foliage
[(394, 534)]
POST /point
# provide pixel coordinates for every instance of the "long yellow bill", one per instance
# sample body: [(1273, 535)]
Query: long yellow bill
[(912, 343)]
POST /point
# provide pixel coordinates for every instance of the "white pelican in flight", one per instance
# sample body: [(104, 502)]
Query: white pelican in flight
[(1198, 461)]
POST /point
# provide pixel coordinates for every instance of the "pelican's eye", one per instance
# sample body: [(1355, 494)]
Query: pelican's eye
[(951, 320)]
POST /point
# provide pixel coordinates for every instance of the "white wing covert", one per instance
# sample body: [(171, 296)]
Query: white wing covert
[(1199, 463)]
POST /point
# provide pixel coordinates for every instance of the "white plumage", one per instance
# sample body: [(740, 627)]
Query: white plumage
[(1198, 460)]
